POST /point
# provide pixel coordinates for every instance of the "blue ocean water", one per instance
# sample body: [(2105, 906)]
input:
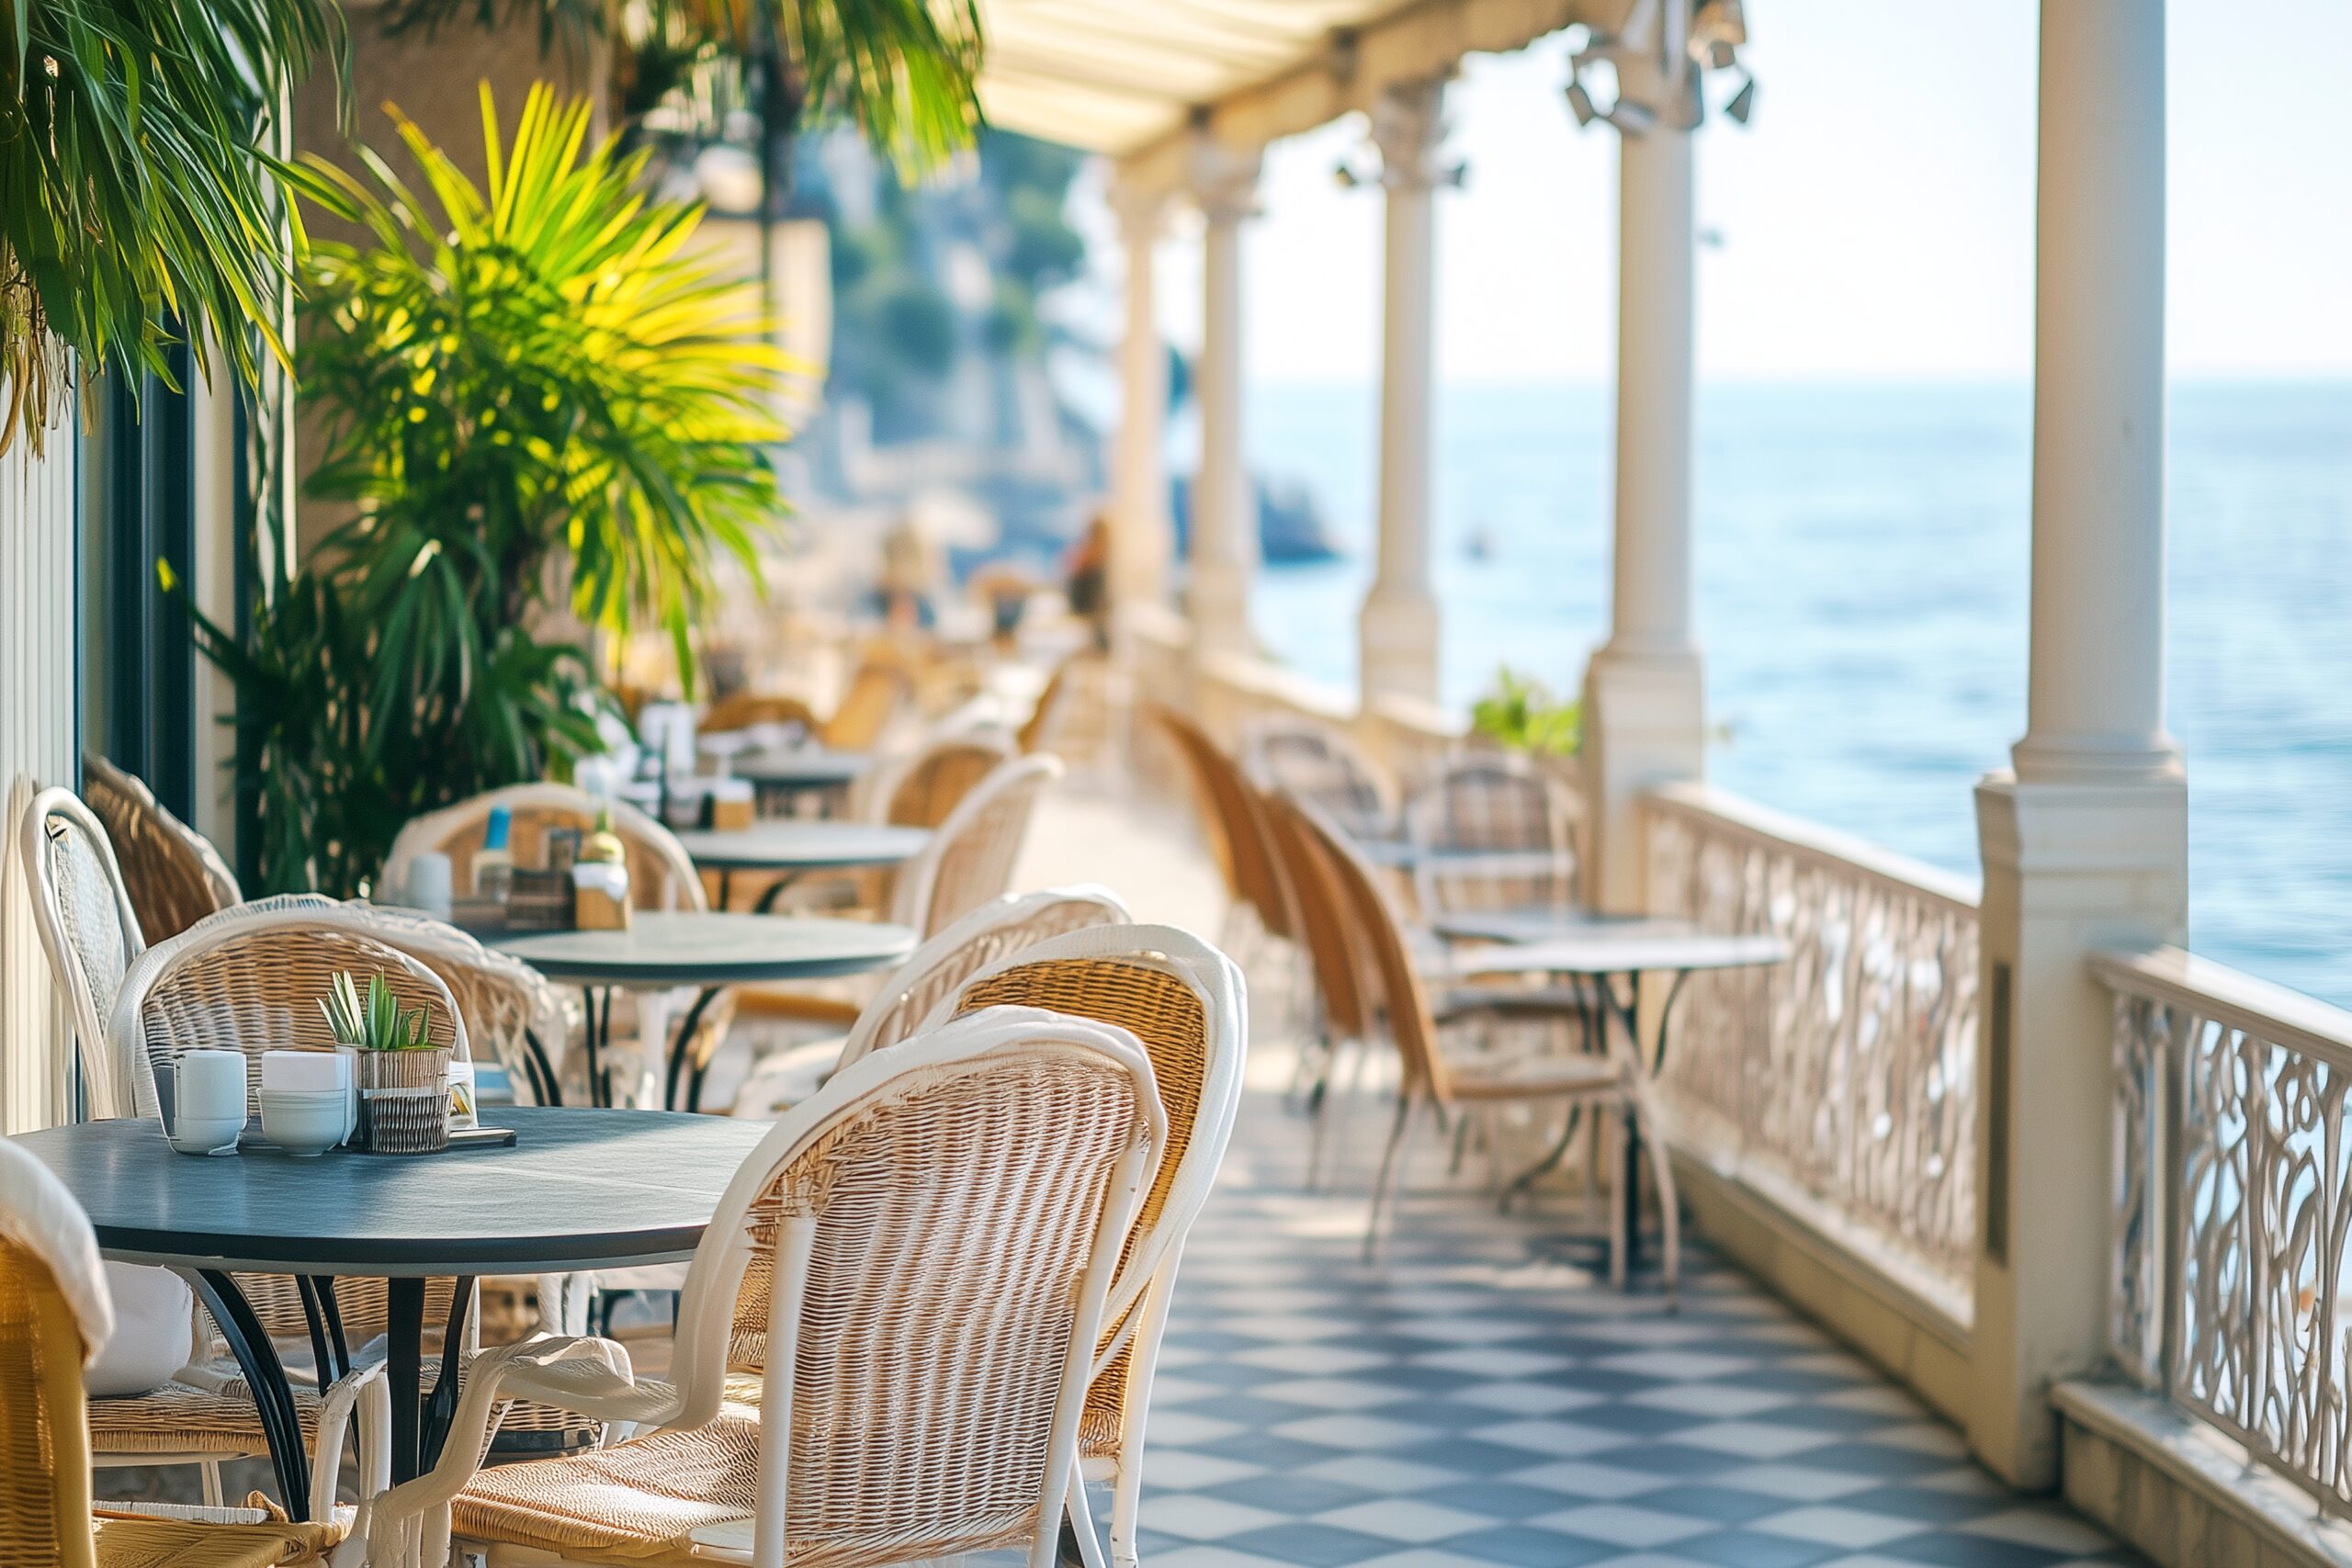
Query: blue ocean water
[(1862, 561)]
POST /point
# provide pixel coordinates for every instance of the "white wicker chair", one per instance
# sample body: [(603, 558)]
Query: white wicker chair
[(923, 1256), (1491, 831), (935, 970), (1185, 1001), (55, 1317), (970, 859), (86, 925)]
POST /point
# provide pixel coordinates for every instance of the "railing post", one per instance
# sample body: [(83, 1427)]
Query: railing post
[(1225, 505), (1399, 626), (1139, 522), (1645, 705), (2085, 843)]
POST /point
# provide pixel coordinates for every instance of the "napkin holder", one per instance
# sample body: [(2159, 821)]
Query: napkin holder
[(600, 897), (731, 809)]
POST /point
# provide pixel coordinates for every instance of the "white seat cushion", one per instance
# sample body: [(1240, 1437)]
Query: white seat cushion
[(153, 1313)]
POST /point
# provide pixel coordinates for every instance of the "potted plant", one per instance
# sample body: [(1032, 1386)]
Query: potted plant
[(403, 1074), (1519, 714)]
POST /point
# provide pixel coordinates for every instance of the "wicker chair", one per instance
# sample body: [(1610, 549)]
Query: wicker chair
[(175, 876), (1185, 1001), (916, 1400), (925, 791), (1429, 1078), (1345, 1012), (205, 1414), (661, 874), (742, 710), (55, 1315), (87, 926), (1489, 831), (876, 695), (1324, 768), (970, 859), (1253, 874)]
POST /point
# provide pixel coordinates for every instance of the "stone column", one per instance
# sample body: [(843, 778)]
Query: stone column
[(1644, 703), (1223, 512), (2085, 843), (1399, 627), (1140, 530)]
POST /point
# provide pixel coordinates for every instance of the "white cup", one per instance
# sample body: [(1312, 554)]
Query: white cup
[(428, 884), (208, 1100)]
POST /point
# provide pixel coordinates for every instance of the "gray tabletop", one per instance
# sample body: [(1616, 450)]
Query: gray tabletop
[(1537, 924), (1599, 951), (799, 767), (580, 1189), (708, 948), (788, 844)]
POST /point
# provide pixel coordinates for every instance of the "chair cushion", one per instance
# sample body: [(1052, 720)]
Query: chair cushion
[(153, 1316)]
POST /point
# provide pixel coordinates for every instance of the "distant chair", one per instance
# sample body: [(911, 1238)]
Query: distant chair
[(925, 792), (175, 876), (1236, 834), (876, 695), (971, 856), (56, 1315), (661, 875), (1321, 766), (741, 710), (1488, 830)]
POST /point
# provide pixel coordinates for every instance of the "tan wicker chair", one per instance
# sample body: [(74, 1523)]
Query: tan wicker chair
[(661, 874), (917, 1400), (1185, 1001), (1322, 766), (175, 876), (1345, 1012), (1428, 1079), (742, 710), (1253, 874), (55, 1315), (1489, 831), (206, 1413), (970, 859), (876, 695), (925, 792), (87, 926)]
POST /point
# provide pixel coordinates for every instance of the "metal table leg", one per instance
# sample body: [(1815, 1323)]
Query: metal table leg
[(265, 1376), (433, 1428), (403, 1369), (679, 1052)]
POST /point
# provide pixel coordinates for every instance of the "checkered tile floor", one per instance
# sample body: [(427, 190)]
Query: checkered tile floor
[(1477, 1399)]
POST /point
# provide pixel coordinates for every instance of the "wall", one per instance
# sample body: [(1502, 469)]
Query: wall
[(38, 739)]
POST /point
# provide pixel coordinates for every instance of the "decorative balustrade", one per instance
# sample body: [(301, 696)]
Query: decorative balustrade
[(1846, 1078), (2231, 1282)]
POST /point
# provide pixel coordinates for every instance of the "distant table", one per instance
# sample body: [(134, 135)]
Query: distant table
[(1537, 923), (555, 1202), (799, 770), (789, 848), (708, 949), (1602, 948)]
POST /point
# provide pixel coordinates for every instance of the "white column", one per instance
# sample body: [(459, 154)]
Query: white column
[(1139, 524), (2084, 843), (1644, 703), (1398, 628), (1225, 512)]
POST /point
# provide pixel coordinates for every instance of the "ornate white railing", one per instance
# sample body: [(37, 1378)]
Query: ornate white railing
[(1846, 1077), (2230, 1284)]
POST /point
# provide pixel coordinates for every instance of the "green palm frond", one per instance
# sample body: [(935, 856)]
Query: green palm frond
[(134, 191)]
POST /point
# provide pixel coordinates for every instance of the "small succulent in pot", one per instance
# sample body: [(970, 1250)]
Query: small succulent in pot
[(403, 1071)]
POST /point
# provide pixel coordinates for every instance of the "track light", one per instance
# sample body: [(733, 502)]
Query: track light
[(1743, 103)]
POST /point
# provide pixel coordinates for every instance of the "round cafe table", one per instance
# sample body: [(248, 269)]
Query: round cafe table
[(579, 1190), (787, 848), (788, 771), (708, 950)]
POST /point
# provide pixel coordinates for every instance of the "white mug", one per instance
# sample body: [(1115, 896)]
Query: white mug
[(428, 884), (207, 1101)]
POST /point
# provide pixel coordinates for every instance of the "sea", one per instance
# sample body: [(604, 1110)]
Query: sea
[(1861, 555)]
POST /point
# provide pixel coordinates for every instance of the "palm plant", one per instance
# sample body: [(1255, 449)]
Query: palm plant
[(538, 394), (134, 194)]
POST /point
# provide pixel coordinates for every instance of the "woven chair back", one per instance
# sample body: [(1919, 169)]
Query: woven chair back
[(1031, 736), (1183, 737), (661, 874), (931, 786), (54, 1315), (741, 710), (86, 925), (940, 967), (1324, 768), (1332, 949), (933, 1229), (874, 696), (175, 876), (1253, 874), (969, 860), (1489, 831), (1391, 978)]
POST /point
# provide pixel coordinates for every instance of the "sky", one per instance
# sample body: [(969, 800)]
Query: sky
[(1874, 221)]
